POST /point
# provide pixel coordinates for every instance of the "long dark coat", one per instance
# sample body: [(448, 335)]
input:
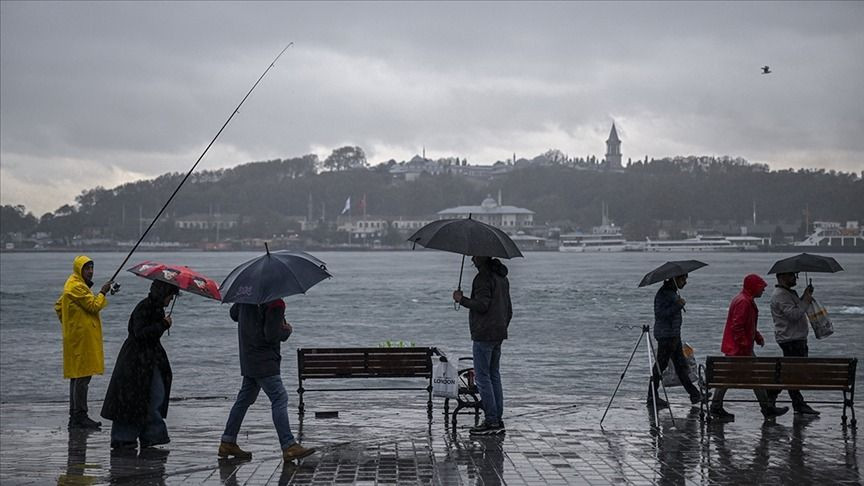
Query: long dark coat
[(128, 395)]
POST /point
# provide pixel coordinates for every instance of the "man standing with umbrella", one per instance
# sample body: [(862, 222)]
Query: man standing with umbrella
[(789, 312), (490, 311)]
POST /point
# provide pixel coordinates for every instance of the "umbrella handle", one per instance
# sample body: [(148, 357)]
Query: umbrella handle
[(171, 310), (678, 293), (459, 286)]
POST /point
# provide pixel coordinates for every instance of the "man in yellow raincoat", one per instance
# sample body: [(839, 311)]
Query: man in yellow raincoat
[(78, 311)]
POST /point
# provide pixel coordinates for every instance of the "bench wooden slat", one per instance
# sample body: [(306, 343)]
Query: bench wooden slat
[(370, 363), (766, 386)]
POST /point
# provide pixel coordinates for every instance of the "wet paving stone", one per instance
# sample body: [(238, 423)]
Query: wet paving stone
[(558, 444)]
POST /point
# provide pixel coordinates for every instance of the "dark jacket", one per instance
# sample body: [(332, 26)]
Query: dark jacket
[(667, 312), (489, 307), (260, 333), (128, 395)]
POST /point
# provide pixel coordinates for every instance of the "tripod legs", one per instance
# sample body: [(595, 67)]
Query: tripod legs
[(638, 342), (651, 355), (651, 383)]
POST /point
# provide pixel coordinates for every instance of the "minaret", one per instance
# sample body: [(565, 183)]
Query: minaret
[(613, 150)]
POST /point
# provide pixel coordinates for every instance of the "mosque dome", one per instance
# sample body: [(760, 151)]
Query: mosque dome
[(489, 203)]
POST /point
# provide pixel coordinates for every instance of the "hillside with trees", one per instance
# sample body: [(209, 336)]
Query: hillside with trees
[(269, 197)]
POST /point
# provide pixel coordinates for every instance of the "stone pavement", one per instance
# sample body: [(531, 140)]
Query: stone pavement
[(553, 443)]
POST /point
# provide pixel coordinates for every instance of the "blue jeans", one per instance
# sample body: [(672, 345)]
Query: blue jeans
[(487, 360), (275, 391), (153, 431)]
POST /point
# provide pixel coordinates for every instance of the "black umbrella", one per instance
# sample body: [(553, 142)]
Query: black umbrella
[(467, 237), (670, 270), (274, 275), (806, 262)]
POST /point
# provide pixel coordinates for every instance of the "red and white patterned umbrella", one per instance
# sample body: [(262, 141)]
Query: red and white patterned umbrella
[(180, 276)]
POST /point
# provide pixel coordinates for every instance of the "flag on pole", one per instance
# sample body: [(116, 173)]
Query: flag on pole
[(347, 206), (362, 205)]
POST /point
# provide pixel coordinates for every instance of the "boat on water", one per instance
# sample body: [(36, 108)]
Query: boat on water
[(704, 243), (604, 238), (830, 236)]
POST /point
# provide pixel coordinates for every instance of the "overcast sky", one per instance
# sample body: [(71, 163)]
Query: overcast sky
[(107, 92)]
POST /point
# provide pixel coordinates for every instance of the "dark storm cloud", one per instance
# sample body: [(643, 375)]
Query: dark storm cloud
[(101, 93)]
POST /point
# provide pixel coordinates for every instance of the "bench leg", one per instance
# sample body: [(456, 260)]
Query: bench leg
[(429, 404), (301, 408)]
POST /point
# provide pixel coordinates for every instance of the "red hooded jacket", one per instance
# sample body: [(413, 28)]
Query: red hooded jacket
[(740, 332)]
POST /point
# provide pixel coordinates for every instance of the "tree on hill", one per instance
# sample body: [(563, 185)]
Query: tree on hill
[(345, 158)]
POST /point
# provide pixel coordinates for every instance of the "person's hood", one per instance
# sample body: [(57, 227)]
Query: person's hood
[(495, 266), (159, 290), (753, 284), (78, 267)]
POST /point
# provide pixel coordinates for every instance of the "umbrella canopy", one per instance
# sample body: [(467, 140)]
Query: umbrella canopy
[(806, 262), (466, 236), (272, 276), (670, 270), (180, 276)]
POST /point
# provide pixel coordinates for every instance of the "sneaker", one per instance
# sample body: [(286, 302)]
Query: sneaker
[(84, 422), (227, 449), (487, 428), (296, 451), (660, 403), (722, 414), (123, 445), (696, 399), (774, 412), (806, 410), (145, 444)]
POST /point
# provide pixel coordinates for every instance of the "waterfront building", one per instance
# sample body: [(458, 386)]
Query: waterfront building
[(207, 221), (508, 218)]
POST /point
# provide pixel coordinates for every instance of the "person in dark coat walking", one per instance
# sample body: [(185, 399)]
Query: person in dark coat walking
[(667, 330), (137, 396), (261, 330), (490, 311)]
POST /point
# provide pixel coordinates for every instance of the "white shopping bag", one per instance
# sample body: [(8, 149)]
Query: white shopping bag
[(670, 378), (819, 320), (445, 382)]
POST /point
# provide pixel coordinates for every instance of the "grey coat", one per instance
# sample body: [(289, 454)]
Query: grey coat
[(789, 314)]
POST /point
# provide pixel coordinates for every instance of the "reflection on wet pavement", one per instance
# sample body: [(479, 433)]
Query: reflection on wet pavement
[(553, 443)]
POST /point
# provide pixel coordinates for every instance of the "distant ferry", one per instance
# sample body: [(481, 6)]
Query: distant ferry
[(830, 236), (604, 238), (704, 243), (594, 242)]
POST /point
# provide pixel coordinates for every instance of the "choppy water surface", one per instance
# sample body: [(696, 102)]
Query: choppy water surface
[(576, 317)]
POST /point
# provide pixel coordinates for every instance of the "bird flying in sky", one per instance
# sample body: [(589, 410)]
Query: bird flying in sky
[(766, 70)]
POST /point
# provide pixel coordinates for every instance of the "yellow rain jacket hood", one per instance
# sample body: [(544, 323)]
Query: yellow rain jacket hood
[(78, 311)]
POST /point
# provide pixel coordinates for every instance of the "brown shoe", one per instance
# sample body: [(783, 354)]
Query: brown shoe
[(296, 451), (230, 449)]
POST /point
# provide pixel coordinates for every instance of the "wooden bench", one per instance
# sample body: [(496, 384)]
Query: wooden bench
[(780, 373), (343, 363)]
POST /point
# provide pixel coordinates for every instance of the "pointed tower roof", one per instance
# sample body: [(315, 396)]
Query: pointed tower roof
[(613, 134)]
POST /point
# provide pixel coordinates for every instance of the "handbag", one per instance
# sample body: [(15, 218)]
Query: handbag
[(670, 378), (817, 314), (444, 380)]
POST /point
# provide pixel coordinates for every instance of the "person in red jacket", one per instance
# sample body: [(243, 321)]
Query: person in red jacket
[(739, 335)]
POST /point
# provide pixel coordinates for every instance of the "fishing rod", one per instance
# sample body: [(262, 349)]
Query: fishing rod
[(117, 286)]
